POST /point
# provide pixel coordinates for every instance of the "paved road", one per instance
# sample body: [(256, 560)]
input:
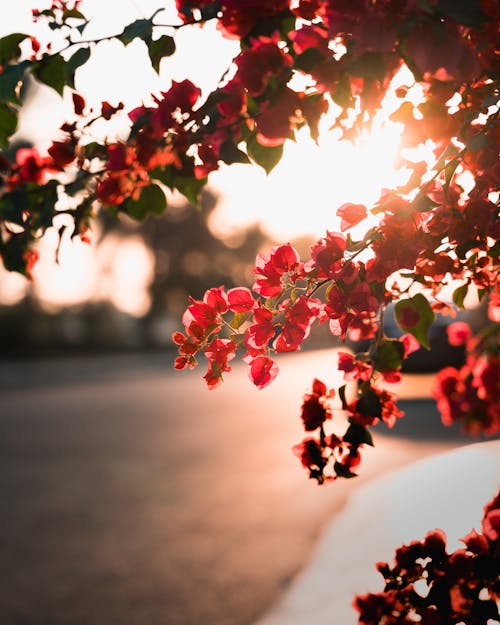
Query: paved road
[(130, 495)]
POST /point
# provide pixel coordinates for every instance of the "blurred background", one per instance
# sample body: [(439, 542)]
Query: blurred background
[(128, 493)]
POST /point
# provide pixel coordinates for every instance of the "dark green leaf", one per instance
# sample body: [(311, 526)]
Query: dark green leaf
[(415, 316), (342, 396), (142, 29), (423, 204), (462, 249), (74, 14), (342, 95), (157, 50), (449, 170), (152, 200), (358, 435), (230, 153), (13, 205), (52, 72), (389, 355), (343, 471), (309, 59), (267, 158), (10, 80), (78, 59), (465, 12), (239, 319), (459, 294), (9, 47), (8, 123), (189, 186)]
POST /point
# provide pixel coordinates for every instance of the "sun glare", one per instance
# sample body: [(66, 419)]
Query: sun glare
[(299, 198)]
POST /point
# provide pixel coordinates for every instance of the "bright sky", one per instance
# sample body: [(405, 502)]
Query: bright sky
[(299, 197)]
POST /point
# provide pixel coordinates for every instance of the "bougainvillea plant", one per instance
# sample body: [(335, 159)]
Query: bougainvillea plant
[(299, 62), (428, 585)]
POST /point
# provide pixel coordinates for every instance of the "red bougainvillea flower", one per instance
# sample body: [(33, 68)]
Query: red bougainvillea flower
[(458, 333), (328, 253), (238, 18), (219, 352), (208, 313), (374, 404), (310, 453), (240, 299), (353, 369), (263, 370), (62, 153), (257, 64), (262, 331), (351, 214), (316, 407), (282, 259), (31, 167)]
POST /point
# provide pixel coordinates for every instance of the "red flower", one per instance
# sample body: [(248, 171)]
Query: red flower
[(353, 369), (62, 152), (263, 370), (258, 63), (458, 332), (351, 214), (240, 299), (262, 331), (315, 408), (328, 252), (283, 259)]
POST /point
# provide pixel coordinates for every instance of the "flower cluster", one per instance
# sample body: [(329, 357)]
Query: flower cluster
[(469, 395), (429, 585)]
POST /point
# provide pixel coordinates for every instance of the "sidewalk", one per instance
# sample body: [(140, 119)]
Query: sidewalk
[(447, 491)]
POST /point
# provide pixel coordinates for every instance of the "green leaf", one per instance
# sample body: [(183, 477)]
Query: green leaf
[(142, 29), (267, 158), (9, 47), (78, 59), (465, 12), (13, 205), (415, 316), (159, 49), (10, 79), (152, 200), (189, 186), (342, 396), (423, 204), (52, 72), (342, 95), (459, 294), (239, 319), (449, 170), (389, 355), (343, 471), (358, 435), (230, 153), (8, 123), (74, 14)]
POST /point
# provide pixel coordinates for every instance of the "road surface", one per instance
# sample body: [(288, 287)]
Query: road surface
[(131, 495)]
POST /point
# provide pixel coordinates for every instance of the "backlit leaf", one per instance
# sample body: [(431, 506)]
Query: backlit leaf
[(266, 157), (8, 123), (415, 315), (142, 29), (159, 49), (78, 59), (151, 201), (52, 72), (9, 47), (459, 294)]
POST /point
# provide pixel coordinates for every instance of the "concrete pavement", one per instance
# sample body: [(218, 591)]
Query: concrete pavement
[(446, 491), (129, 494)]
